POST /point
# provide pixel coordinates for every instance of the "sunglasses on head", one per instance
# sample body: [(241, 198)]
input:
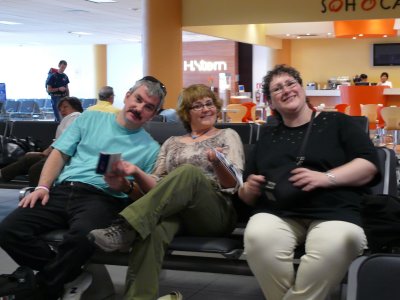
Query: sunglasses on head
[(153, 79)]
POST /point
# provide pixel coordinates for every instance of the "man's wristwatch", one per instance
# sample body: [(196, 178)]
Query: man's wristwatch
[(130, 190)]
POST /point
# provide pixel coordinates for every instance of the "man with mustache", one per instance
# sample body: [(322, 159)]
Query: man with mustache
[(70, 193)]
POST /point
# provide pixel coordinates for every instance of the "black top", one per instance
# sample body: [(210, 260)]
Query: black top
[(335, 139)]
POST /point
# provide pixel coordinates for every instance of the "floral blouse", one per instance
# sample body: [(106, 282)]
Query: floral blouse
[(175, 153)]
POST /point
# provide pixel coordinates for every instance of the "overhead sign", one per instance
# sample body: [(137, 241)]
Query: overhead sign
[(360, 5)]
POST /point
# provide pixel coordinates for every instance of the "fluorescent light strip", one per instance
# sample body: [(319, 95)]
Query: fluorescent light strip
[(102, 1), (80, 33), (9, 23)]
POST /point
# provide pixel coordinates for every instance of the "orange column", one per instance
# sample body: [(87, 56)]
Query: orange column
[(162, 45), (100, 63)]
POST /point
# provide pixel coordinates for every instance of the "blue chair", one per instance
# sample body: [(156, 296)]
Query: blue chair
[(28, 109), (87, 102), (12, 106), (40, 103)]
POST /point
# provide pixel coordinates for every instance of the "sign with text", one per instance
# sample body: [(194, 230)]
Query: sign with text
[(198, 13), (334, 6), (204, 61), (204, 66)]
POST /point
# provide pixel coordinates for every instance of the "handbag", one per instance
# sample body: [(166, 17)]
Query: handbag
[(381, 222), (278, 188), (12, 148)]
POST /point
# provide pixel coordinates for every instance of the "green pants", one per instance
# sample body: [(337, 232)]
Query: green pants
[(185, 200)]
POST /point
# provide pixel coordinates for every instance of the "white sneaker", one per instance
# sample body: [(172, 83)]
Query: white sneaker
[(172, 296), (73, 290)]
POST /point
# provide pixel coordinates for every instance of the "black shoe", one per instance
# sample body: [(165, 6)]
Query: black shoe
[(18, 285)]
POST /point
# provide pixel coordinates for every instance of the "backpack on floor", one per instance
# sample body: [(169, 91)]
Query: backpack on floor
[(19, 285)]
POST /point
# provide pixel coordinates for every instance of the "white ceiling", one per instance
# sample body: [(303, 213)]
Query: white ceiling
[(51, 21), (46, 22)]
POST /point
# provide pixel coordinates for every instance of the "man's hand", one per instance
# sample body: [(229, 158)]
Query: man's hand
[(37, 195), (116, 179)]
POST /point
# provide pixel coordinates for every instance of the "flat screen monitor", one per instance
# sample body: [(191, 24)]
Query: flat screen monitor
[(386, 54), (362, 83)]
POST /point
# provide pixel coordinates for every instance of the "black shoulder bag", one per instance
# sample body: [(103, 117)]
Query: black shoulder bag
[(381, 222), (278, 188)]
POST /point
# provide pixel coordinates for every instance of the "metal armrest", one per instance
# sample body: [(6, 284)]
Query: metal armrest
[(25, 191)]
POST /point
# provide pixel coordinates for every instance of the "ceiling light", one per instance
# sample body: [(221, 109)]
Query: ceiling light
[(102, 1), (80, 33), (360, 34), (354, 37), (9, 23), (385, 36)]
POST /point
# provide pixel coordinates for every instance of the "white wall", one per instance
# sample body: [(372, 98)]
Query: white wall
[(124, 67), (262, 63), (24, 69)]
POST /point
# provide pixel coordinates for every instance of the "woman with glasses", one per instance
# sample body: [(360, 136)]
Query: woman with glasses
[(339, 161), (190, 192)]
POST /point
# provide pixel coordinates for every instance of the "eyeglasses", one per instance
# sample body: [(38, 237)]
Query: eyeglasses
[(153, 79), (199, 106), (278, 89)]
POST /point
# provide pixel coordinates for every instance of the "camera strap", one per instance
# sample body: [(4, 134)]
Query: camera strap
[(301, 157)]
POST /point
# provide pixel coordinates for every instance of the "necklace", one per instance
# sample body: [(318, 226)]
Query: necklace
[(193, 136)]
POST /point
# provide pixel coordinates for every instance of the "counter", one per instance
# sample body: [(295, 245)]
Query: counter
[(333, 97)]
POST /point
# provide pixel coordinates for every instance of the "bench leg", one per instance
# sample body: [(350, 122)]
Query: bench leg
[(102, 287)]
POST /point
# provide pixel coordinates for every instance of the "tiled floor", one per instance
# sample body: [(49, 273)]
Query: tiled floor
[(193, 285)]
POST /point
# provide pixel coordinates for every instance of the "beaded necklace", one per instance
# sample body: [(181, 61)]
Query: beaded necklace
[(199, 135)]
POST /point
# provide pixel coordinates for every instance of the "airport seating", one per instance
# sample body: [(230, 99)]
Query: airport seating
[(213, 254), (374, 277), (158, 118), (86, 102), (28, 109)]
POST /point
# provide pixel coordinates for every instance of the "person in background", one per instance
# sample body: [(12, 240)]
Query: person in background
[(57, 87), (32, 162), (190, 192), (384, 80), (71, 195), (363, 78), (105, 101), (339, 161)]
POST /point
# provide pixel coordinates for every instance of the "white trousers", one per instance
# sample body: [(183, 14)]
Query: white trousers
[(330, 247)]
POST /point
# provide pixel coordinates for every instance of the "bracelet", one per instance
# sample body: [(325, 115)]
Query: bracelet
[(136, 186), (130, 190), (42, 187), (331, 177)]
